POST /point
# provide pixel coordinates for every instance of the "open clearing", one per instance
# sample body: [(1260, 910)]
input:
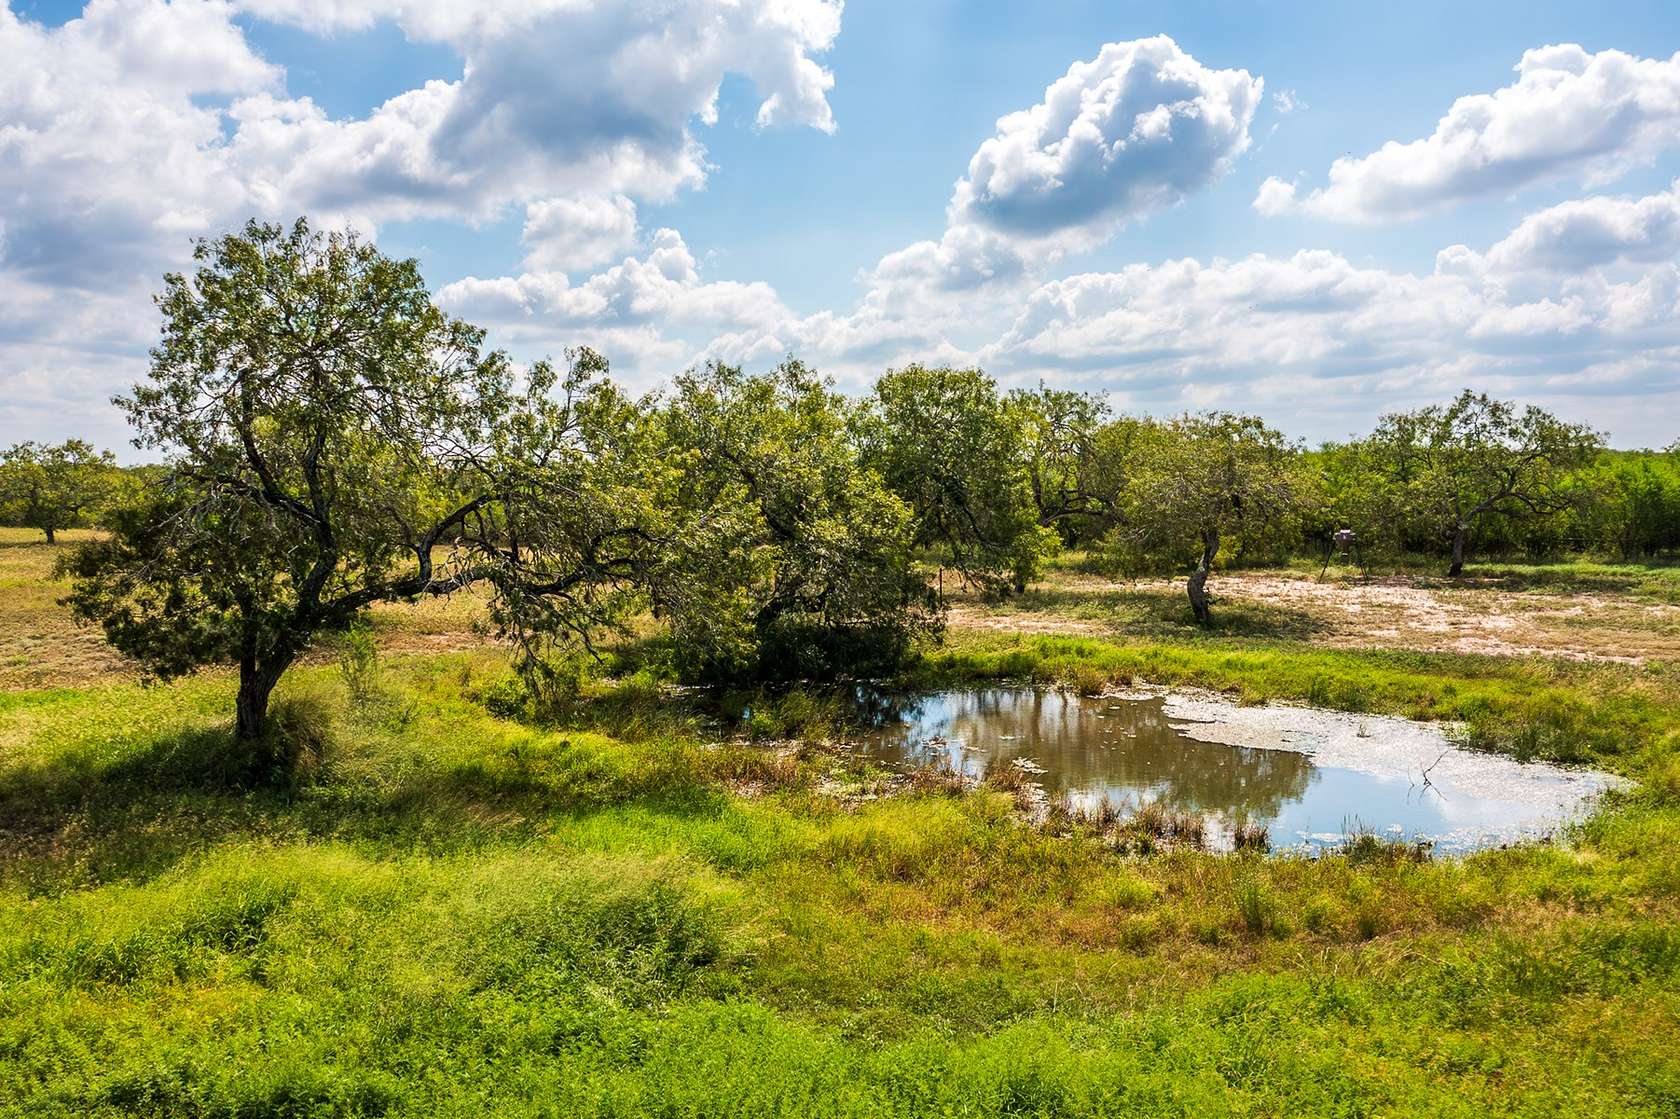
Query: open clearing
[(1629, 620)]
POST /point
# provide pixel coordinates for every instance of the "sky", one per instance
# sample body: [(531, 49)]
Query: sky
[(1320, 212)]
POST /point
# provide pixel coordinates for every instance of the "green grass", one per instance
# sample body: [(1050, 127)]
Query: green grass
[(450, 912)]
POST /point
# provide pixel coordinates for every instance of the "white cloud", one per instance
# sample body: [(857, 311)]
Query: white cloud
[(652, 314), (108, 148), (1591, 232), (1569, 114), (1134, 130), (1314, 334), (567, 233), (143, 123), (1275, 197)]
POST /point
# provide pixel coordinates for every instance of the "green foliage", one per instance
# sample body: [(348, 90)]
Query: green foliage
[(1452, 466), (795, 559), (1074, 466), (1630, 505), (56, 486), (477, 917), (1198, 482), (334, 440), (953, 450)]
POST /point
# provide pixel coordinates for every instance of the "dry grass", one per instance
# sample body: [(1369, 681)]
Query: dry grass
[(1578, 613), (936, 780), (40, 644)]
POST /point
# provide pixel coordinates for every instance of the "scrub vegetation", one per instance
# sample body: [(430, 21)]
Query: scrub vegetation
[(542, 810)]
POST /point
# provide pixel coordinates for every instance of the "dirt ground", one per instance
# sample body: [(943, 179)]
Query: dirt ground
[(1350, 612), (1580, 615)]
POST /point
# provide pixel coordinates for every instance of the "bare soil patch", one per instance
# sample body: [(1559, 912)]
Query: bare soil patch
[(1401, 612)]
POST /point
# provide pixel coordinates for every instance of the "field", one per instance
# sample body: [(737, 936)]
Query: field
[(457, 909)]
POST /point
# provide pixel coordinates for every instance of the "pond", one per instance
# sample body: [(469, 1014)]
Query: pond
[(1312, 777)]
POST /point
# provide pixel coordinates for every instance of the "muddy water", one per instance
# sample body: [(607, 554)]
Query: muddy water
[(1313, 777)]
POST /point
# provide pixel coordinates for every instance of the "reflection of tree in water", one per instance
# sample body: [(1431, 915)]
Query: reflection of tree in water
[(1126, 750)]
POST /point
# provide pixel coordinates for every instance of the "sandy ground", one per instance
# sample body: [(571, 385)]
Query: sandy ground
[(1390, 612)]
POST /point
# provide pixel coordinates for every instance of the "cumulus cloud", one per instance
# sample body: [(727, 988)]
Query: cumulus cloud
[(651, 314), (1570, 113), (1315, 331), (108, 146), (1592, 232), (567, 233), (143, 123), (1134, 130)]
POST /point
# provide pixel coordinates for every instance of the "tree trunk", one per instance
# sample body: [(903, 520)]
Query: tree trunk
[(256, 684), (1459, 534), (1197, 587), (52, 537)]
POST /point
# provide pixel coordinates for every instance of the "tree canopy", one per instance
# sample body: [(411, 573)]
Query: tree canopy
[(1453, 465), (1076, 478), (948, 445), (795, 560), (1201, 480), (55, 486), (335, 440)]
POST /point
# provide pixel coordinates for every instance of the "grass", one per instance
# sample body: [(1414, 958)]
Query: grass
[(455, 906), (39, 643)]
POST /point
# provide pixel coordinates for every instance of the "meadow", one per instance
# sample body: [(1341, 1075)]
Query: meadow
[(463, 903)]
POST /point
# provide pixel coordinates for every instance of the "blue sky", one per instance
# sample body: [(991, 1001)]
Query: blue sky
[(856, 199)]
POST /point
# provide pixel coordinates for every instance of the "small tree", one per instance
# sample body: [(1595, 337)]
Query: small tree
[(334, 441), (53, 486), (1075, 486), (794, 559), (1477, 457), (1205, 479), (946, 444)]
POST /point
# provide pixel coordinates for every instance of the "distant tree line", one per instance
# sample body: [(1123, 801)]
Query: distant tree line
[(330, 439)]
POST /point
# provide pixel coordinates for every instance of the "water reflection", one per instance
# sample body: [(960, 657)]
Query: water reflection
[(1129, 752), (1123, 749)]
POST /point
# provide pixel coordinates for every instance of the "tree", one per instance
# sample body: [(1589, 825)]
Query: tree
[(334, 440), (947, 445), (54, 486), (1075, 485), (794, 559), (1204, 479), (1478, 457)]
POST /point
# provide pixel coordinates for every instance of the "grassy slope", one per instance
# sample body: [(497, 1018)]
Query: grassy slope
[(459, 914)]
